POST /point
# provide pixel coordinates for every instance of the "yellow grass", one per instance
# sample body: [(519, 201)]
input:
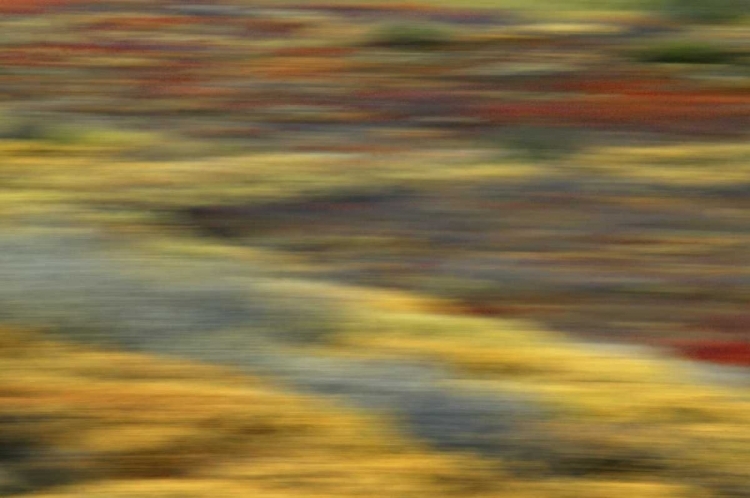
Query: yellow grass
[(143, 426), (590, 383), (700, 164), (156, 428)]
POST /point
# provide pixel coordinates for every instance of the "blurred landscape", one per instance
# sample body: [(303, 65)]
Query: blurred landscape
[(480, 248)]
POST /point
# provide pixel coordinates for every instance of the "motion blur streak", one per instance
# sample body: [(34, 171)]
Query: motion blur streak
[(348, 248)]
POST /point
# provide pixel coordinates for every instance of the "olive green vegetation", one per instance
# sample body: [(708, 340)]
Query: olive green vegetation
[(411, 36), (699, 11), (714, 11), (687, 52)]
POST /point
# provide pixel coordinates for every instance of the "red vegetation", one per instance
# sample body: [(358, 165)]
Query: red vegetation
[(660, 111), (143, 22), (295, 67), (722, 352), (371, 90), (272, 27), (32, 6), (492, 310), (621, 85), (314, 51), (377, 8), (71, 49)]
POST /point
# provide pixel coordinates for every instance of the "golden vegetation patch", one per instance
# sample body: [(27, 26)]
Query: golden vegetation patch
[(130, 423), (618, 387), (104, 423), (697, 164)]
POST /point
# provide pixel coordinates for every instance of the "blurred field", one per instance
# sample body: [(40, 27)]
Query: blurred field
[(467, 249)]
